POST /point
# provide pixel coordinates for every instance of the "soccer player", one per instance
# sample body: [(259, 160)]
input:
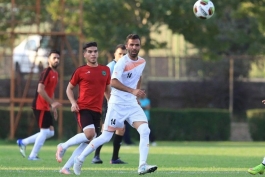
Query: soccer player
[(123, 105), (93, 81), (120, 51), (44, 99)]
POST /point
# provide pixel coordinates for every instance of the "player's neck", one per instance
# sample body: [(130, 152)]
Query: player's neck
[(92, 64), (133, 58)]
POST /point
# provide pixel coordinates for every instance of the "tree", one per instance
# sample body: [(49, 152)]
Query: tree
[(109, 22)]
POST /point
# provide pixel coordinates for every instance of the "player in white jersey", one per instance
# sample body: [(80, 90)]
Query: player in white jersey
[(123, 105), (120, 51)]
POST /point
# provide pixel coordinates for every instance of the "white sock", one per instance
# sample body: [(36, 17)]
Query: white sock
[(50, 134), (39, 142), (77, 139), (77, 151), (95, 143), (31, 139), (263, 160), (144, 132)]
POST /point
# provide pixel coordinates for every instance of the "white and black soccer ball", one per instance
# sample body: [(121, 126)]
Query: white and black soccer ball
[(203, 9)]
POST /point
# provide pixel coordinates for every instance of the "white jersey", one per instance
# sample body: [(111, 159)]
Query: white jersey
[(128, 72)]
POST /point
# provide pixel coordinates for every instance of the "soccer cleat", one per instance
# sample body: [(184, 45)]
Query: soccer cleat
[(118, 161), (77, 166), (22, 147), (97, 160), (65, 171), (145, 168), (34, 158), (59, 153), (257, 169)]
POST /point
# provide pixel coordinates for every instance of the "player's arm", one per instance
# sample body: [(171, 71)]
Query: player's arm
[(43, 94), (71, 97), (118, 85), (107, 92)]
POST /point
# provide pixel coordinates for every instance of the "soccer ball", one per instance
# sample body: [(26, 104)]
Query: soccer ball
[(203, 9)]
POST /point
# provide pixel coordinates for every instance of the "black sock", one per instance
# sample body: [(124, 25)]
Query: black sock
[(97, 152), (116, 146)]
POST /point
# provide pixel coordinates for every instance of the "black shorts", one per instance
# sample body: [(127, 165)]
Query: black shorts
[(87, 117), (104, 110), (44, 118)]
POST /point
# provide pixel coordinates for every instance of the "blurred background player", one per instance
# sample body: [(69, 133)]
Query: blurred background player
[(44, 99), (120, 51)]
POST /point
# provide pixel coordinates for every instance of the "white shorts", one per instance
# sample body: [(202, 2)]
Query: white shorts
[(117, 114)]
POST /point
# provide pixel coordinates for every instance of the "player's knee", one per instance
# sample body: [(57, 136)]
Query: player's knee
[(91, 136), (51, 128), (143, 129)]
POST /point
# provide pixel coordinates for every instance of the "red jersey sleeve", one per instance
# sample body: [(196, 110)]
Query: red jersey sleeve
[(109, 76), (75, 77)]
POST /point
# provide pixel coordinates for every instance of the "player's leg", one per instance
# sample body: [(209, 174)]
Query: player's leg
[(96, 159), (22, 143), (70, 162), (109, 128), (138, 120), (117, 141), (83, 119), (93, 145), (45, 121), (127, 136)]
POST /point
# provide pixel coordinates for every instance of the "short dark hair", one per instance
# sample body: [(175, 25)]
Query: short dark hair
[(89, 44), (132, 36), (120, 46), (54, 51)]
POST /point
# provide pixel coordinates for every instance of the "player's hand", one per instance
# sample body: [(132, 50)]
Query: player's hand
[(74, 108), (55, 105), (138, 92), (263, 101)]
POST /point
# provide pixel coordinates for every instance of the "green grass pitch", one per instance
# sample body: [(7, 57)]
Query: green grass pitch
[(182, 159)]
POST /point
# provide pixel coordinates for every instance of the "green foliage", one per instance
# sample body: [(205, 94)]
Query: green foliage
[(189, 125), (256, 121), (236, 28), (231, 31)]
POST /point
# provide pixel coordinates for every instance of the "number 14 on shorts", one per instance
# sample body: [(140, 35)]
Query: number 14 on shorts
[(112, 121)]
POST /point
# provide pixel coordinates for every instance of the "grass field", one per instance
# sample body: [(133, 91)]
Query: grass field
[(182, 159)]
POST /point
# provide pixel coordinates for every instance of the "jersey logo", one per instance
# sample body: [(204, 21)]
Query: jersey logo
[(104, 73), (88, 72), (129, 75)]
